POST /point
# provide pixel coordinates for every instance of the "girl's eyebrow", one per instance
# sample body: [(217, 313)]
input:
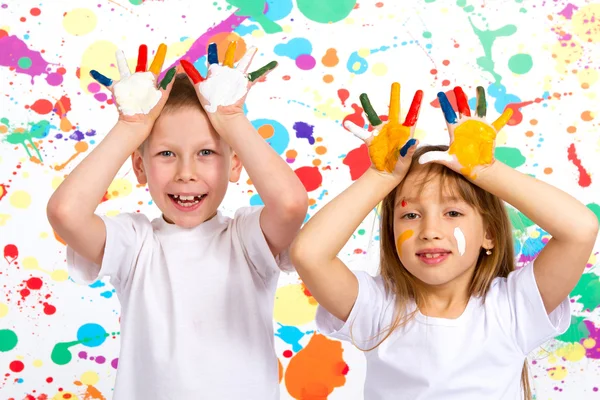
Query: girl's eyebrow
[(443, 199)]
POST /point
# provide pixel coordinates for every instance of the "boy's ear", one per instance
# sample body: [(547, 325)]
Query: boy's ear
[(236, 168), (137, 162)]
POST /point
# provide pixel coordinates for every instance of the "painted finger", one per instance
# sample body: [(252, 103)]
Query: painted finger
[(503, 119), (191, 71), (124, 70), (142, 60), (481, 103), (167, 78), (359, 132), (394, 112), (415, 107), (246, 60), (252, 76), (101, 79), (447, 109), (433, 156), (159, 59), (404, 150), (462, 102), (371, 114), (230, 54), (213, 54)]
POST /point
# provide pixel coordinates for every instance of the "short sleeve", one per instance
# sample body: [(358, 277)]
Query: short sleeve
[(530, 324), (364, 324), (247, 228), (125, 236)]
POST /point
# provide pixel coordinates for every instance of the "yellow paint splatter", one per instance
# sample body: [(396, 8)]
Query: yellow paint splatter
[(30, 263), (4, 219), (37, 363), (3, 310), (293, 306), (379, 69), (589, 343), (59, 275), (571, 352), (80, 21), (100, 56), (119, 188), (65, 396), (585, 23), (20, 199), (89, 378), (404, 236), (473, 145), (557, 373), (330, 110)]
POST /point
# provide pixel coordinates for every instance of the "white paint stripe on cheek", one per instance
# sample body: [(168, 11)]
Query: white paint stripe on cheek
[(460, 240)]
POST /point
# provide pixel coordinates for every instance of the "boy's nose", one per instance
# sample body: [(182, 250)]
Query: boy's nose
[(186, 172)]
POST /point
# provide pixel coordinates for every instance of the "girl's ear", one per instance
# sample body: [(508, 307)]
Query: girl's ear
[(488, 240)]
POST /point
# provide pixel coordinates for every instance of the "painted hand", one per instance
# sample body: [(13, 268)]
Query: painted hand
[(136, 95), (472, 139), (225, 88), (391, 145)]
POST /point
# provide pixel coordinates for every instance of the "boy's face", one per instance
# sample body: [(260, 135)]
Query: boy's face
[(187, 166)]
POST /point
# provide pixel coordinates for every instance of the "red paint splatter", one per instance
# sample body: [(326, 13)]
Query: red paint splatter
[(288, 353), (379, 4), (517, 116), (34, 283), (49, 379), (343, 94), (3, 190), (11, 252), (49, 309), (35, 11), (16, 366), (403, 203), (356, 117), (310, 176), (25, 293), (358, 160), (306, 291), (42, 106), (584, 178)]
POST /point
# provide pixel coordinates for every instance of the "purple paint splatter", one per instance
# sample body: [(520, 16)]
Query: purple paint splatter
[(304, 131)]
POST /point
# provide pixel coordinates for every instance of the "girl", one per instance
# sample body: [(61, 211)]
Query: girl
[(448, 317)]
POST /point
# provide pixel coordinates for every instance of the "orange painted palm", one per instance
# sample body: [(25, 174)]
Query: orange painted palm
[(389, 142), (472, 139)]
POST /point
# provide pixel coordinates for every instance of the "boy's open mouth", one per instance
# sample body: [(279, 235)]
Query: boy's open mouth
[(187, 200)]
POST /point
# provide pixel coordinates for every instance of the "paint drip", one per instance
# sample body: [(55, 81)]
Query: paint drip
[(225, 87), (460, 240), (137, 94)]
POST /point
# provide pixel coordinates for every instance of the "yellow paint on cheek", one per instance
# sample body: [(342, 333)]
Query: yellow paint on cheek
[(404, 236), (385, 147), (473, 145)]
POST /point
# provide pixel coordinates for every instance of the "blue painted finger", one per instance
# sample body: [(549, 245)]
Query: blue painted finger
[(213, 55), (447, 109), (407, 146), (103, 80)]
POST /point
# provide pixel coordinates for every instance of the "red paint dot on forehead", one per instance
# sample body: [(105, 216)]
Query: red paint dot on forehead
[(403, 203)]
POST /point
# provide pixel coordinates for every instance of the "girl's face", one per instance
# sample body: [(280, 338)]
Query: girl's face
[(438, 236)]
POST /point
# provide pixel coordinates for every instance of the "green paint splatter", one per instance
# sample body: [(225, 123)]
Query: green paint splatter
[(326, 11), (520, 63), (576, 332), (37, 131), (519, 221), (510, 156), (361, 231), (429, 1), (487, 38), (8, 340), (426, 35), (4, 121), (461, 3), (24, 62), (254, 9), (469, 9), (136, 2), (61, 354), (588, 288), (595, 208)]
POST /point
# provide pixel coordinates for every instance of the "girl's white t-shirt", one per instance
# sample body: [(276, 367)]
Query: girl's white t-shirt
[(478, 355)]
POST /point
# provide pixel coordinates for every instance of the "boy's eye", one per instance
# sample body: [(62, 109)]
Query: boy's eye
[(410, 216), (166, 153), (454, 214), (206, 152)]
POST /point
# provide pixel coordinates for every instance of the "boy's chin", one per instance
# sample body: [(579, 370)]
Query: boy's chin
[(191, 220)]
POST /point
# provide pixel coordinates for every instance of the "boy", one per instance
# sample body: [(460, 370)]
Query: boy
[(196, 287)]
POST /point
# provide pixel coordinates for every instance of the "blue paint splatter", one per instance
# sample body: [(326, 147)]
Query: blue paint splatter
[(323, 193), (97, 284), (294, 48), (255, 200), (244, 30), (107, 294), (363, 65), (278, 9), (280, 139), (201, 66), (304, 131), (91, 335), (291, 335)]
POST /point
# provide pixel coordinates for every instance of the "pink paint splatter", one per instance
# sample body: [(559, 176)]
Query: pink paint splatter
[(13, 49)]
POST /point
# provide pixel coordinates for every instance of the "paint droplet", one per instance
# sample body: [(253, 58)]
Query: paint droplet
[(8, 340), (321, 150), (20, 199), (305, 62), (379, 69), (520, 63), (89, 378), (79, 21), (587, 116), (427, 35), (310, 176), (266, 131), (3, 311), (288, 353), (547, 170), (35, 11), (330, 59), (16, 366), (35, 283), (571, 129), (24, 62), (42, 106), (328, 78)]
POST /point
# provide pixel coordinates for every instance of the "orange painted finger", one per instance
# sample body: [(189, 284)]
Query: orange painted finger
[(230, 55), (503, 119), (159, 59), (394, 115)]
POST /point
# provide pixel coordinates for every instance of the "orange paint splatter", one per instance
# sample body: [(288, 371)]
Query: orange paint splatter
[(321, 150), (91, 392), (62, 107), (328, 78), (330, 59), (223, 39), (59, 239), (316, 370), (587, 116), (80, 147), (266, 131), (571, 129), (291, 154), (473, 145), (280, 370), (404, 236), (2, 190)]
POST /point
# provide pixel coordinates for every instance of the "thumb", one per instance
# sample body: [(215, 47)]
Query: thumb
[(440, 157), (359, 132)]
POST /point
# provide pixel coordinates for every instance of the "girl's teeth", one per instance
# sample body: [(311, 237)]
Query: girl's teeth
[(432, 255)]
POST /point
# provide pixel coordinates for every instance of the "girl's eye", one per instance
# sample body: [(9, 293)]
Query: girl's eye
[(454, 214), (166, 153), (410, 216), (206, 152)]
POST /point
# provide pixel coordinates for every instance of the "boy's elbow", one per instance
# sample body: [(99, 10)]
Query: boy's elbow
[(295, 206)]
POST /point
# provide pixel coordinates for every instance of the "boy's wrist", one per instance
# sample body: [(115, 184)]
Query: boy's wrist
[(221, 122), (138, 128)]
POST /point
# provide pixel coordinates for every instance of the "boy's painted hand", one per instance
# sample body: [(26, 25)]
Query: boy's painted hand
[(136, 95), (472, 139), (224, 90), (391, 145)]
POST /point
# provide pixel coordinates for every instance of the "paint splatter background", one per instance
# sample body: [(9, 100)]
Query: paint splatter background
[(541, 58)]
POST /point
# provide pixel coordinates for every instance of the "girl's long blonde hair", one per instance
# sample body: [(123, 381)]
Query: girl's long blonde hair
[(405, 287)]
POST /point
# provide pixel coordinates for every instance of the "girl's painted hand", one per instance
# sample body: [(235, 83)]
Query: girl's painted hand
[(225, 88), (391, 145), (472, 139), (136, 95)]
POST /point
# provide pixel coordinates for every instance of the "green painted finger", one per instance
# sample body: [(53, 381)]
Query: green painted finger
[(167, 78), (371, 114), (252, 76), (481, 103)]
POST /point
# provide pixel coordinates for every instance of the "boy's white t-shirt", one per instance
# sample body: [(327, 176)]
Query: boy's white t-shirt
[(196, 306), (477, 356)]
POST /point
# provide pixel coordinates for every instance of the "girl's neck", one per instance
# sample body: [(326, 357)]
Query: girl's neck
[(448, 300)]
